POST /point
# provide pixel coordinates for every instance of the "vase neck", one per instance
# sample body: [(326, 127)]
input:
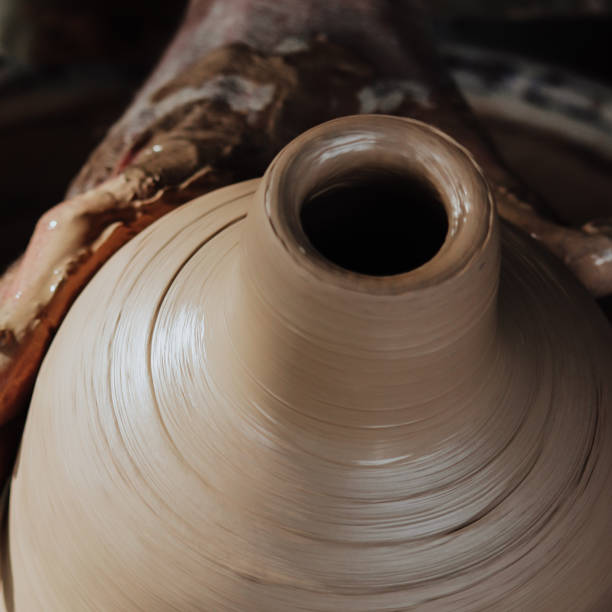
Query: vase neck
[(321, 330)]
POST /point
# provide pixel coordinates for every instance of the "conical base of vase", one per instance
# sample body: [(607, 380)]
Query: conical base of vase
[(176, 475)]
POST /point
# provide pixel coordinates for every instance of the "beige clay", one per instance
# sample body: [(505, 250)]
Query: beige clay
[(228, 421)]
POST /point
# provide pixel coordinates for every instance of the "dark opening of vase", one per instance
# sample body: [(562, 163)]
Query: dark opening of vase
[(381, 226)]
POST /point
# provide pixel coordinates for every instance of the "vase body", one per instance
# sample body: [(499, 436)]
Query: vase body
[(231, 420)]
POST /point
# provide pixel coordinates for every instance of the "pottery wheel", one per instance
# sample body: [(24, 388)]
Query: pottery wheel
[(553, 127)]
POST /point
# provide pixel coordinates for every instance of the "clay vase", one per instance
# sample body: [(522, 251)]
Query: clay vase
[(341, 387)]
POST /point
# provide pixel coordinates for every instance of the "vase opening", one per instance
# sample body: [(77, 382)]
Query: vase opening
[(379, 224), (374, 205)]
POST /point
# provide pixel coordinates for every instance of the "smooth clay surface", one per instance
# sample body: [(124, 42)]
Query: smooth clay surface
[(228, 421)]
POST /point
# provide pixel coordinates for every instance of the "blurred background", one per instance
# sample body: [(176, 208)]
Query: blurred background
[(537, 72)]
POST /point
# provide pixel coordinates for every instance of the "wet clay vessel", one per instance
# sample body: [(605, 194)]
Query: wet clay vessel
[(345, 386), (240, 79)]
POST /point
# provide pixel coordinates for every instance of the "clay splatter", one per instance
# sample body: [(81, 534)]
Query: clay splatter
[(387, 95)]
